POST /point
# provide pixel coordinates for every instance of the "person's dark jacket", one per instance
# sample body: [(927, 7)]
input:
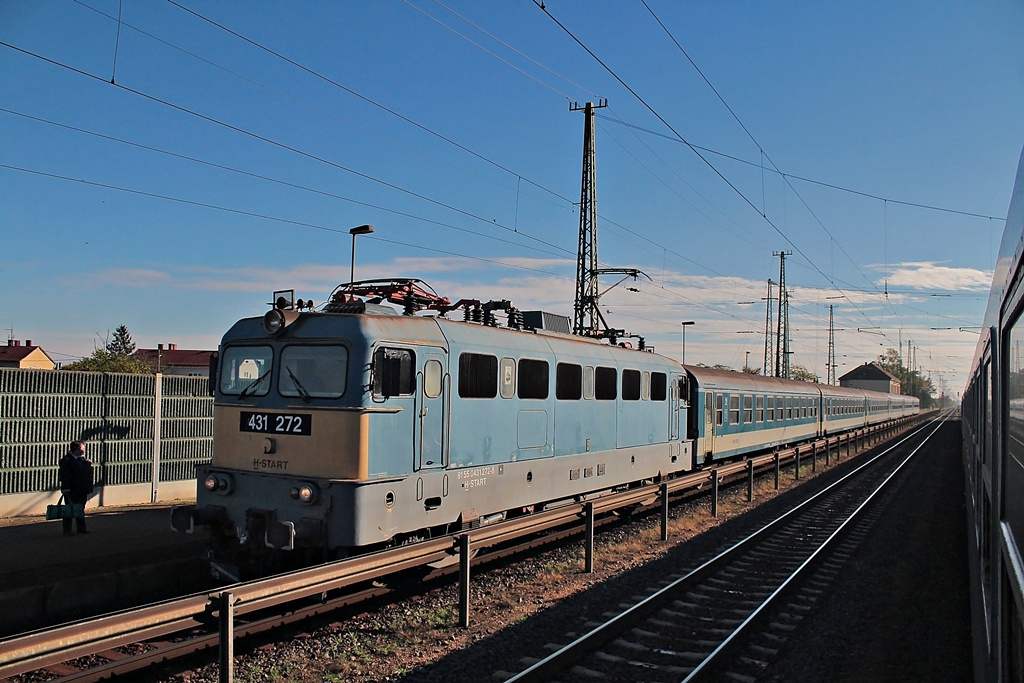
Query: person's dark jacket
[(75, 476)]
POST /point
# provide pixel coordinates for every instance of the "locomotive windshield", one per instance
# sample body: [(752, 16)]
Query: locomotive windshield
[(245, 370), (313, 371)]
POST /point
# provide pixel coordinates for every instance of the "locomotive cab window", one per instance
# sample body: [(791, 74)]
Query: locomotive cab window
[(313, 371), (245, 370), (394, 372)]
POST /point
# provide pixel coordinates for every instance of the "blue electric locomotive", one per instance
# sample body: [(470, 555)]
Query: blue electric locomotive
[(356, 427)]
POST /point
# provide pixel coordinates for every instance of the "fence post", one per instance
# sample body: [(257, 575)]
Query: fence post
[(777, 469), (158, 396), (464, 580), (797, 458), (750, 481), (714, 492), (227, 637), (588, 557), (664, 512)]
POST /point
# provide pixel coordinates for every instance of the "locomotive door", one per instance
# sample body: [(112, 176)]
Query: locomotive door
[(430, 411)]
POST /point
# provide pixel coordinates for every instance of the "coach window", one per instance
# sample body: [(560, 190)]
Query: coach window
[(759, 415), (478, 375), (718, 409), (568, 382), (748, 409), (605, 384), (770, 408), (630, 385), (734, 409), (588, 382), (394, 372), (659, 386), (533, 378), (789, 407)]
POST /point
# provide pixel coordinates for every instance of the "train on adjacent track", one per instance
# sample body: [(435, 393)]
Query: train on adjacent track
[(356, 426), (993, 440)]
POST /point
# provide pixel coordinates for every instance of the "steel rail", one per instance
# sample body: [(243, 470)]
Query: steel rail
[(545, 668), (42, 648)]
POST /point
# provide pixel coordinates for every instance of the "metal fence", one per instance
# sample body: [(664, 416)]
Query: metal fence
[(138, 429)]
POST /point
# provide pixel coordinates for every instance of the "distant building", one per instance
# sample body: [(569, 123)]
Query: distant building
[(175, 361), (872, 377), (18, 355)]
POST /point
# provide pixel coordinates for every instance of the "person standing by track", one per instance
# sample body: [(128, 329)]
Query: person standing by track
[(75, 475)]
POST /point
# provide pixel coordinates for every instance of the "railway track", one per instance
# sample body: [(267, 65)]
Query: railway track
[(728, 618), (129, 641)]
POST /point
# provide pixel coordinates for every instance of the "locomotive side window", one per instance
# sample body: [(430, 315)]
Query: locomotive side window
[(245, 370), (478, 375), (645, 387), (313, 371), (630, 385), (588, 382), (507, 377), (605, 384), (432, 375), (659, 386), (533, 378), (394, 372), (568, 382)]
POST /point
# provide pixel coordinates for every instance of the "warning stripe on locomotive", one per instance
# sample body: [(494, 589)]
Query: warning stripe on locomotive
[(276, 423)]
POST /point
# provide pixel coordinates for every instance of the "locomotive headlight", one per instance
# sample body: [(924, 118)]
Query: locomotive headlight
[(306, 493), (276, 319), (219, 483)]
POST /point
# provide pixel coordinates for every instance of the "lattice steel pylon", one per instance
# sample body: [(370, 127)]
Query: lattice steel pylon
[(585, 311), (782, 337), (769, 348), (831, 347)]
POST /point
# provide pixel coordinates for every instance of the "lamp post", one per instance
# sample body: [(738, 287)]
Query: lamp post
[(682, 360), (361, 230)]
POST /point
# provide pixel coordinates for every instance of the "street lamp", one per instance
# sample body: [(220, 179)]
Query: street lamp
[(683, 350), (361, 230)]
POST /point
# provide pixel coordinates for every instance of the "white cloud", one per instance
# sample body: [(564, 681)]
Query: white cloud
[(931, 275)]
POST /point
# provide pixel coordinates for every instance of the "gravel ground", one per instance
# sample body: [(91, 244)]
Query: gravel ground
[(520, 608)]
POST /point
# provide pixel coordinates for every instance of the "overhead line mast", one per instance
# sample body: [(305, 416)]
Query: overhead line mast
[(769, 348), (782, 337), (587, 288)]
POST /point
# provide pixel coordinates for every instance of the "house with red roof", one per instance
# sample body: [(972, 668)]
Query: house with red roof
[(174, 361), (18, 355)]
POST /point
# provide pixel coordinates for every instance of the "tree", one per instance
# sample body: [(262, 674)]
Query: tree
[(751, 371), (102, 360), (801, 373), (121, 344), (911, 381), (117, 355)]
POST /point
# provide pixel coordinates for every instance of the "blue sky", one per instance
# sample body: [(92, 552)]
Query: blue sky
[(238, 144)]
